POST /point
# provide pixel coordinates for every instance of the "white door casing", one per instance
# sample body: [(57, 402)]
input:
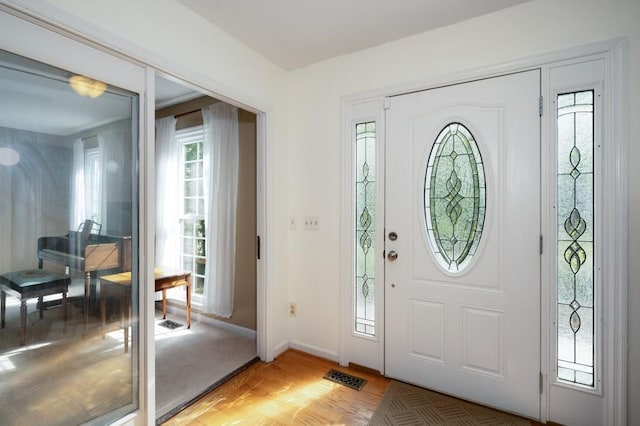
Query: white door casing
[(474, 334)]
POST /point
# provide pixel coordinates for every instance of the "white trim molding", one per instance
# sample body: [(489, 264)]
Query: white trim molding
[(617, 227), (206, 319)]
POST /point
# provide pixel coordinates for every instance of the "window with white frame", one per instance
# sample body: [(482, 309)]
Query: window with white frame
[(192, 225), (93, 183)]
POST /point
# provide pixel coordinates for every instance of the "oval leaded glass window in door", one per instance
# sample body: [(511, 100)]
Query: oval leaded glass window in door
[(454, 197)]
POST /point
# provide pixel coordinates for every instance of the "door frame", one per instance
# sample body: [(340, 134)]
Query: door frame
[(91, 40), (614, 230)]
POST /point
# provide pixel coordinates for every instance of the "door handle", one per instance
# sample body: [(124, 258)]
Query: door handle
[(392, 256)]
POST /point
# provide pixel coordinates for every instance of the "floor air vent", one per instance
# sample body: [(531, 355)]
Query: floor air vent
[(345, 379), (171, 325)]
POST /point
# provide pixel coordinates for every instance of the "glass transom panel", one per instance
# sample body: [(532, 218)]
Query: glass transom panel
[(454, 197)]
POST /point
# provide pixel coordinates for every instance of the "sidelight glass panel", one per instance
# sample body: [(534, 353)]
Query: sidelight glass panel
[(575, 241), (365, 190), (67, 224), (454, 197)]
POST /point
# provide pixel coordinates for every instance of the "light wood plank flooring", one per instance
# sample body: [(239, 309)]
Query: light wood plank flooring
[(288, 391)]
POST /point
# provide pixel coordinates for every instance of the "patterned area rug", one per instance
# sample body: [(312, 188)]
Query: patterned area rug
[(405, 404)]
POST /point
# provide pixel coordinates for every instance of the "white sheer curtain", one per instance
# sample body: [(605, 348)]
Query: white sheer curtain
[(31, 190), (167, 175), (112, 157), (78, 197), (221, 158)]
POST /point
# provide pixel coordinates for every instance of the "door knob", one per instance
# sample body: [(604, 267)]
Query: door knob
[(392, 256)]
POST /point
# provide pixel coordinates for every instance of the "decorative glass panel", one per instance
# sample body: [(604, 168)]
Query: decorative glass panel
[(365, 228), (575, 270), (454, 197)]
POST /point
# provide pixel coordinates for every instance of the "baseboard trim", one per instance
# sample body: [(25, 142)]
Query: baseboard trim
[(280, 349), (314, 350), (232, 328)]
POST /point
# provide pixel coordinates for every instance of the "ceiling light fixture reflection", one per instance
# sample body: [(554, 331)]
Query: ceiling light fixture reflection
[(9, 157), (85, 86)]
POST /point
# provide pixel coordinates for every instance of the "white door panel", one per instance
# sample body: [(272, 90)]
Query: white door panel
[(474, 333)]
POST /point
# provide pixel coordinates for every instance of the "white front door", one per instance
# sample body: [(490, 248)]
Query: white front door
[(462, 278)]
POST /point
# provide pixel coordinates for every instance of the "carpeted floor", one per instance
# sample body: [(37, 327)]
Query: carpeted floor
[(189, 361), (404, 405)]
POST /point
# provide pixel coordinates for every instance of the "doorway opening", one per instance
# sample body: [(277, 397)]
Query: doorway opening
[(221, 339)]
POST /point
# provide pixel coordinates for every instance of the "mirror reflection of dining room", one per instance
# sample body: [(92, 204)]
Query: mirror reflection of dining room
[(68, 154), (69, 263)]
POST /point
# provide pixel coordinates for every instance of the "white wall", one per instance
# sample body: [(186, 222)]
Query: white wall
[(156, 31), (536, 27)]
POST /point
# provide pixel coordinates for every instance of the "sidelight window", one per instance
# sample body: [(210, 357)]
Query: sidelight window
[(575, 238), (365, 189)]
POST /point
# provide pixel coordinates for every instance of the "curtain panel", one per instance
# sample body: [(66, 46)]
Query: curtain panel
[(221, 159), (167, 192), (78, 190)]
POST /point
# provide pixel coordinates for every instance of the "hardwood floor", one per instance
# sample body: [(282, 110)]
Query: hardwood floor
[(290, 390)]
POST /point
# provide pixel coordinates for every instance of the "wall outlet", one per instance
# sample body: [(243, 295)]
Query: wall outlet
[(292, 309), (311, 223)]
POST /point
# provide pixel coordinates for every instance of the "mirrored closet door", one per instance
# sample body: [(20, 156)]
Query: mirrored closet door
[(69, 179)]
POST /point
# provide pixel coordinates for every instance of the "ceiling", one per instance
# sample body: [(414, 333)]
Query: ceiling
[(297, 33)]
